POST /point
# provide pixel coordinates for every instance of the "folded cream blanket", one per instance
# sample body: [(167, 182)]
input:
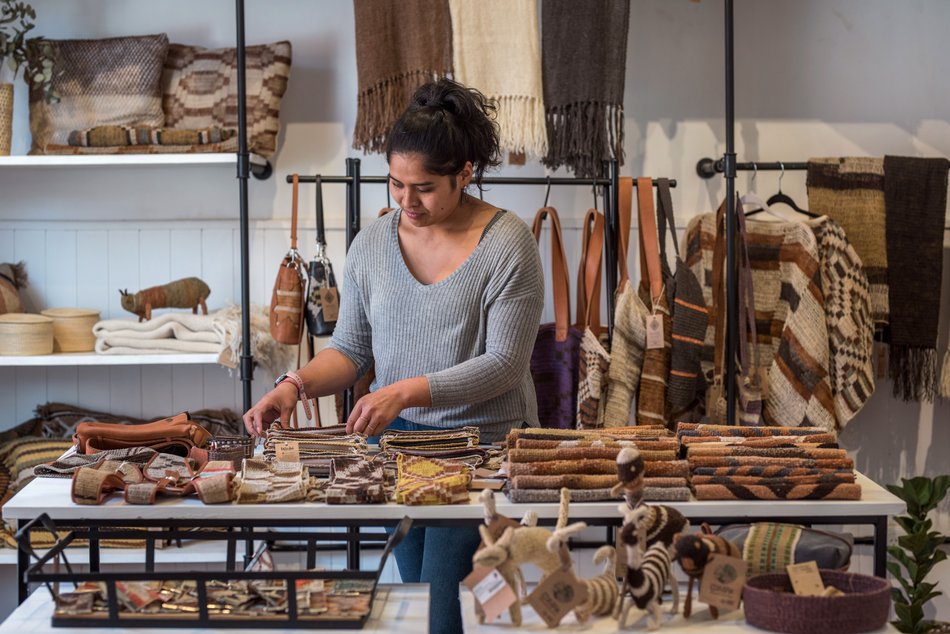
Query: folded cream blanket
[(168, 333)]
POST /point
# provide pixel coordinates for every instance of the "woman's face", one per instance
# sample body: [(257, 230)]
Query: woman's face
[(425, 198)]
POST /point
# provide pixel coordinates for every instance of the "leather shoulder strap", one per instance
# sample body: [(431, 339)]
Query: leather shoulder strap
[(664, 216), (293, 213), (625, 220), (649, 246), (589, 274), (559, 277)]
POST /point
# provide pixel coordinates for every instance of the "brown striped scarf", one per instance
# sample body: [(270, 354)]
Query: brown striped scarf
[(400, 45), (584, 53), (915, 196), (851, 190)]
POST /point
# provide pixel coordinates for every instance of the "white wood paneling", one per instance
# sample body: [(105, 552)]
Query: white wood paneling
[(60, 268), (92, 271)]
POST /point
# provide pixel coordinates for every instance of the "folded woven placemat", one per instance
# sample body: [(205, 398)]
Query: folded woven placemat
[(570, 453), (696, 451), (644, 444), (706, 429), (651, 494), (738, 461), (831, 477), (771, 471), (563, 467), (771, 441), (617, 433), (459, 438), (571, 481), (672, 468), (777, 492)]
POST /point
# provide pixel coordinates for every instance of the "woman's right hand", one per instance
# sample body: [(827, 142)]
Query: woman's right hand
[(278, 404)]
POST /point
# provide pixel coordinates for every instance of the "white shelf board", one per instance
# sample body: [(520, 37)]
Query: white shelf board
[(52, 496), (91, 358), (124, 160)]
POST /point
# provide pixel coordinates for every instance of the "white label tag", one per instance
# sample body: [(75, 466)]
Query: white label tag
[(287, 451), (654, 332), (488, 587)]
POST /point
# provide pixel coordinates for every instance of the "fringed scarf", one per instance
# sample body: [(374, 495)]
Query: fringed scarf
[(851, 191), (584, 48), (497, 49), (400, 45), (915, 195)]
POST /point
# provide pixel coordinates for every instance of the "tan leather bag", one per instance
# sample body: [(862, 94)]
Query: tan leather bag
[(177, 434), (290, 288)]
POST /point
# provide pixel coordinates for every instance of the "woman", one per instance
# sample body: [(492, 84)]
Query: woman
[(445, 294)]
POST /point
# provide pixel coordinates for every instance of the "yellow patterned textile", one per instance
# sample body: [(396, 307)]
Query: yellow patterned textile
[(431, 481)]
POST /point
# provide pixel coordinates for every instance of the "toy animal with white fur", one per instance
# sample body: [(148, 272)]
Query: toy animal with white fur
[(648, 573)]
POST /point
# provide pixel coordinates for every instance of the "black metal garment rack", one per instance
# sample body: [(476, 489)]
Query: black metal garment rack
[(354, 180)]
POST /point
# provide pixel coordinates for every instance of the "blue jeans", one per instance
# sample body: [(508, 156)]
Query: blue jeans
[(441, 557)]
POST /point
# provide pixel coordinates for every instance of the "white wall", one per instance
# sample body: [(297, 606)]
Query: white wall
[(813, 77)]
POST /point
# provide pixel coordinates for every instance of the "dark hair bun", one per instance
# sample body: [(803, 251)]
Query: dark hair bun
[(449, 124)]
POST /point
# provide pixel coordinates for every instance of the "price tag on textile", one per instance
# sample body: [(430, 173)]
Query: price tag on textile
[(722, 582), (559, 593), (492, 593), (654, 332), (806, 580), (330, 302), (287, 451)]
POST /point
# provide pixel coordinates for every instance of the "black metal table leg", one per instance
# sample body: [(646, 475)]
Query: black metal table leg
[(353, 547), (22, 563), (880, 546)]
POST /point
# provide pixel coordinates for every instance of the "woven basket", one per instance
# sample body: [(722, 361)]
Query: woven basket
[(25, 334), (6, 118), (771, 604), (72, 328)]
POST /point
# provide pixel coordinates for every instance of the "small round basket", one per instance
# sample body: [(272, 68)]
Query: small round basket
[(771, 604), (25, 334), (72, 328)]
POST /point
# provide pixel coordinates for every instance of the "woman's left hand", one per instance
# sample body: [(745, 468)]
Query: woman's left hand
[(373, 413)]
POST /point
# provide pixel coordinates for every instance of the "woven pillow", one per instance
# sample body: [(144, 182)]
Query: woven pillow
[(200, 90), (113, 81)]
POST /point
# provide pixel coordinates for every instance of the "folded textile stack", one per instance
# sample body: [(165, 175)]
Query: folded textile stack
[(168, 333), (767, 463), (458, 445), (263, 482), (317, 445), (356, 480), (541, 461), (431, 481)]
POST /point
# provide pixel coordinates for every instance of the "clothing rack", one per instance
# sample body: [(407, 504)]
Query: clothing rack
[(354, 180), (246, 363)]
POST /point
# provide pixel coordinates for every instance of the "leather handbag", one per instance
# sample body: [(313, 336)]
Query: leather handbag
[(323, 297), (287, 299), (629, 338), (177, 435), (652, 408), (749, 409), (769, 547), (594, 357), (554, 360), (689, 316)]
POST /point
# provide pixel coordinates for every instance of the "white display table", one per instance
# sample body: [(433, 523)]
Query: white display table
[(400, 609), (699, 623), (52, 496)]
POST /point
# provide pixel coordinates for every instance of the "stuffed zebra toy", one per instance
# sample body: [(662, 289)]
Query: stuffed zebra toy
[(648, 574), (693, 553), (602, 590)]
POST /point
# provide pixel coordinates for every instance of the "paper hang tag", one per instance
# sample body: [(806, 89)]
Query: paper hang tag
[(764, 382), (287, 451), (654, 332), (556, 595), (722, 582), (805, 578), (492, 593), (330, 302)]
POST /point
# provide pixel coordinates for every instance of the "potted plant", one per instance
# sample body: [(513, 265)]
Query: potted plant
[(37, 57), (917, 551)]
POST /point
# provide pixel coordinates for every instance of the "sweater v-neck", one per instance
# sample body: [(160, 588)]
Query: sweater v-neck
[(453, 273)]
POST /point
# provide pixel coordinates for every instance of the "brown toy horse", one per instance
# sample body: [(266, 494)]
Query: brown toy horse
[(188, 292)]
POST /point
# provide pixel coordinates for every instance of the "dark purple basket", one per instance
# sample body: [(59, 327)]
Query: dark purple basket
[(771, 604)]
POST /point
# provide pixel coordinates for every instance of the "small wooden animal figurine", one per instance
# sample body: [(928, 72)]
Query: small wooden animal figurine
[(525, 545), (188, 292), (693, 552), (647, 575), (650, 523), (630, 472)]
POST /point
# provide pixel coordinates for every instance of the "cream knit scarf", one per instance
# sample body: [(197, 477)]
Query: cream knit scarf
[(497, 49)]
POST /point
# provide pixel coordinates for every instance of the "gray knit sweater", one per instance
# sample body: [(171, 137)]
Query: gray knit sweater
[(471, 334)]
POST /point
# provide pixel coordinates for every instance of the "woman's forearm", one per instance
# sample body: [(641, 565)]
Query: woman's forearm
[(328, 373)]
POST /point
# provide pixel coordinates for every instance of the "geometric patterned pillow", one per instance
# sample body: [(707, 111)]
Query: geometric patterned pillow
[(200, 90), (112, 81)]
